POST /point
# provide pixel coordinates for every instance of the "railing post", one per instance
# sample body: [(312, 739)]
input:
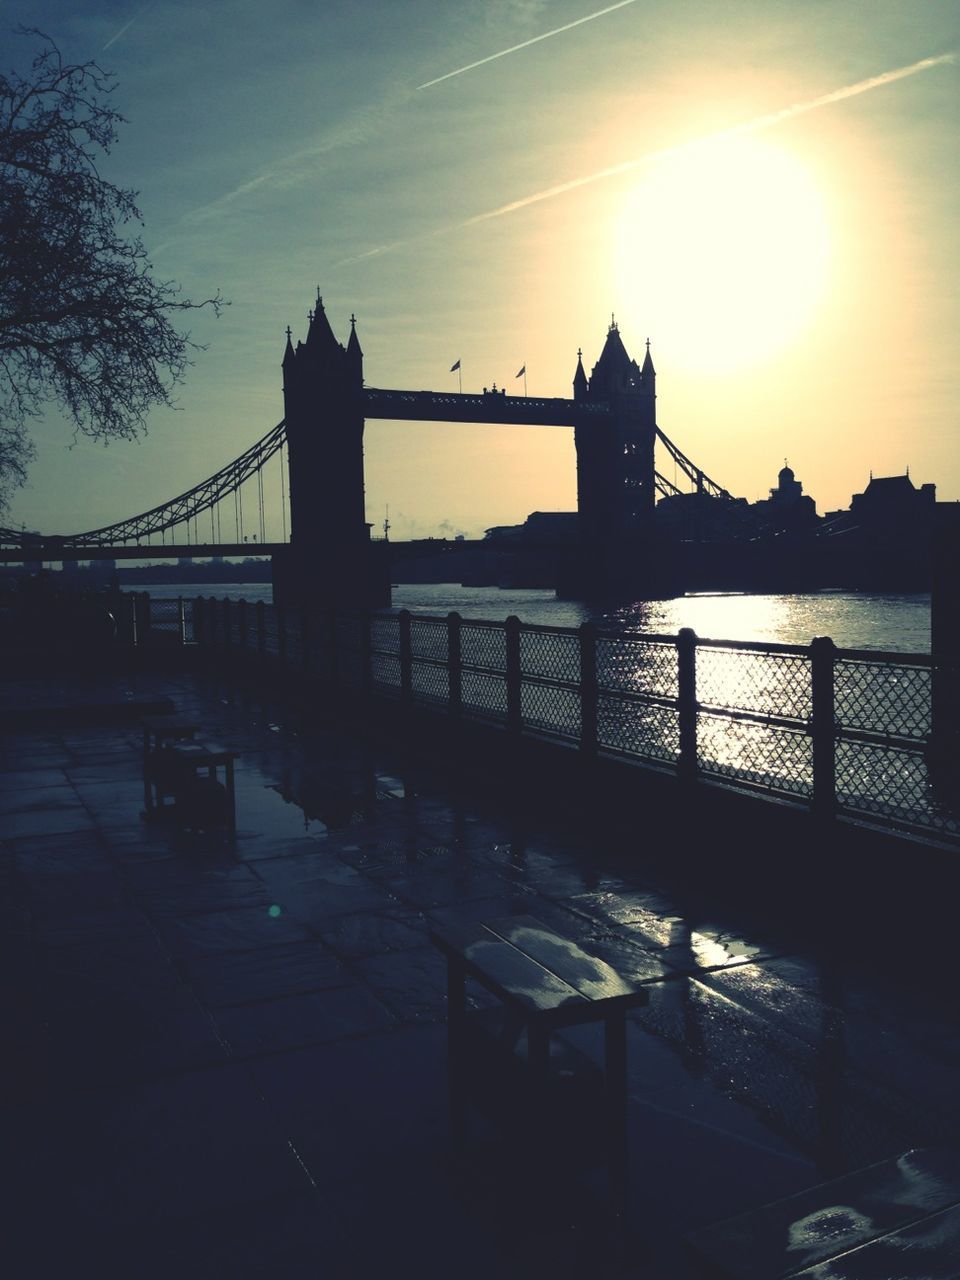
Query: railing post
[(333, 665), (181, 622), (687, 701), (199, 635), (142, 616), (261, 630), (241, 624), (226, 623), (454, 664), (305, 640), (123, 608), (281, 636), (511, 629), (823, 726), (589, 694), (944, 742), (406, 657), (366, 652)]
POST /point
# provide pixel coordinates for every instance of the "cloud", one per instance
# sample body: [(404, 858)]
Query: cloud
[(525, 44)]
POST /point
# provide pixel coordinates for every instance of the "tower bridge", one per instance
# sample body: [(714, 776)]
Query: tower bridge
[(329, 556)]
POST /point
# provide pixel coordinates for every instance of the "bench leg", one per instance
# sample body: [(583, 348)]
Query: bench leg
[(616, 1108), (538, 1062), (456, 1060), (231, 801), (147, 796)]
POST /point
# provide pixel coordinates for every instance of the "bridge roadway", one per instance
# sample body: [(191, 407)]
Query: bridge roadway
[(489, 406), (54, 549)]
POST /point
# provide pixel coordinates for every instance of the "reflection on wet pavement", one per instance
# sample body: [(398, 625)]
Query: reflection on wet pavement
[(270, 1017)]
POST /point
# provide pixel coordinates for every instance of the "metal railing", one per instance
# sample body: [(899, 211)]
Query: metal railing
[(847, 732)]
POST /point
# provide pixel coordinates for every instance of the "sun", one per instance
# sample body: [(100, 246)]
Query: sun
[(723, 252)]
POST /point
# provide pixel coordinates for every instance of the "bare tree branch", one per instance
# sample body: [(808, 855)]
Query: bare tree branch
[(83, 321)]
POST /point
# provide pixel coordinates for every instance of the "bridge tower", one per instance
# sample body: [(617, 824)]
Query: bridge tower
[(616, 493), (330, 559)]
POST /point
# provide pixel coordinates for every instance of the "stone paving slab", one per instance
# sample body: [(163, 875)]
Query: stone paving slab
[(271, 973), (231, 1059), (148, 1151), (242, 929), (373, 933), (289, 1022)]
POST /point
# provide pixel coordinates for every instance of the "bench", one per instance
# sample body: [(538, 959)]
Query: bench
[(176, 766), (160, 731), (899, 1217), (509, 1060)]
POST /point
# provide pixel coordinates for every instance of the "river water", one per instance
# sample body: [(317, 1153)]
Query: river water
[(853, 620)]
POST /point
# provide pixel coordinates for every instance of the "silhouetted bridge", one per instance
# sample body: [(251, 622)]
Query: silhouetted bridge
[(303, 480)]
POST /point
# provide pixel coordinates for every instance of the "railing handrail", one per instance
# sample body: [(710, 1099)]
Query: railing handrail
[(848, 744)]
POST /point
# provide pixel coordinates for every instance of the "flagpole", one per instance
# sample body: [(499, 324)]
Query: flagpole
[(460, 377), (524, 381)]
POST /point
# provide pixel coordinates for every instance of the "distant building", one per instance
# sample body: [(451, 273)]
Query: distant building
[(884, 541), (896, 500), (788, 508), (543, 527)]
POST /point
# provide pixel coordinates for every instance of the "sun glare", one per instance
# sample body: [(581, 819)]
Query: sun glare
[(723, 253)]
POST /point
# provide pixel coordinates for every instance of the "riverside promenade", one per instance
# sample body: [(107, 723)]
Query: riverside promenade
[(229, 1060)]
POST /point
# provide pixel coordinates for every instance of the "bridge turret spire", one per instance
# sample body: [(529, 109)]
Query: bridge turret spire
[(647, 372), (320, 337), (614, 371), (354, 349), (289, 355), (579, 378)]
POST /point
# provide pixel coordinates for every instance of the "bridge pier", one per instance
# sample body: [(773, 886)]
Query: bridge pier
[(360, 580)]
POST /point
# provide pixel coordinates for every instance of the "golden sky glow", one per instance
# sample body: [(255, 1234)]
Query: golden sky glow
[(742, 254), (769, 191)]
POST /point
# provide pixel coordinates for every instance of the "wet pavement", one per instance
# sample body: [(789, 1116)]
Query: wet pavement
[(230, 1060)]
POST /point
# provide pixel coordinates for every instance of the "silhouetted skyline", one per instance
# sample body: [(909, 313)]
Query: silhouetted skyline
[(771, 193)]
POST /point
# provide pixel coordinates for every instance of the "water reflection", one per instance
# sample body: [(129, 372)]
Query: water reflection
[(899, 623)]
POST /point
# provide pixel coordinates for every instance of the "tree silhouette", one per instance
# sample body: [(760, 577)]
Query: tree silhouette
[(83, 321)]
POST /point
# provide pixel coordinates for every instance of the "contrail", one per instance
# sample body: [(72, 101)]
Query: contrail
[(482, 62), (125, 28), (748, 126)]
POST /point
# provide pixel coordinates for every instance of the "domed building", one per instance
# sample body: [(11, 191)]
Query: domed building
[(788, 507)]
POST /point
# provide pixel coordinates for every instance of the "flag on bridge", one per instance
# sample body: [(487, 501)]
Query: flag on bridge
[(455, 367), (522, 372)]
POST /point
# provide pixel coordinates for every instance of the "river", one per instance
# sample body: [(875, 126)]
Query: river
[(853, 620)]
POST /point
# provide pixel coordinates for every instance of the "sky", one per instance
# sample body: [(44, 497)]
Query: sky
[(767, 190)]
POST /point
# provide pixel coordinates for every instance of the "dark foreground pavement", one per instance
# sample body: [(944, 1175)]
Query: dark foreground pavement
[(231, 1062)]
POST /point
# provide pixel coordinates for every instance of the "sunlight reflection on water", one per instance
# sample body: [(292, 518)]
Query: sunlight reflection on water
[(899, 623)]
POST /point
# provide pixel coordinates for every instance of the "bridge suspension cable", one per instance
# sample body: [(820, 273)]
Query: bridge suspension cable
[(187, 506), (666, 488), (699, 478)]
